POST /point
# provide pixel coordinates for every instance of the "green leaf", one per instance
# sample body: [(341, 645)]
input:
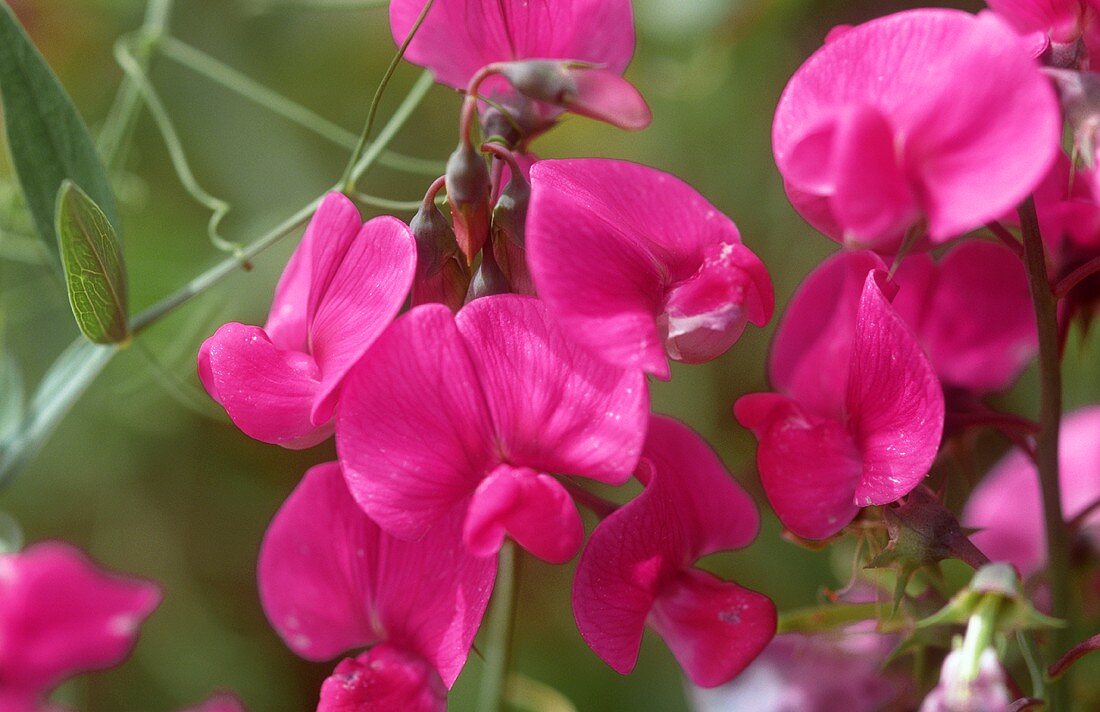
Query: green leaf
[(46, 136), (95, 273), (68, 378)]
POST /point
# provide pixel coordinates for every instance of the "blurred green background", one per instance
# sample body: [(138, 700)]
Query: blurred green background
[(149, 476)]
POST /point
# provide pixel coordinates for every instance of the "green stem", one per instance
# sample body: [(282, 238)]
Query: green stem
[(1050, 409), (261, 6), (819, 618), (349, 178), (1031, 659), (499, 642), (122, 117), (243, 85), (220, 271)]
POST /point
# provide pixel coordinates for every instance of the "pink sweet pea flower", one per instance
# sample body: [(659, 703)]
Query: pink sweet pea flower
[(934, 120), (568, 54), (341, 288), (1007, 507), (61, 615), (1051, 23), (639, 267), (474, 412), (638, 566), (331, 581), (859, 414)]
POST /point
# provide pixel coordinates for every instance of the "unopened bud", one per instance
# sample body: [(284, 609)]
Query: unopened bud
[(581, 88), (509, 220), (468, 187), (441, 274), (488, 280)]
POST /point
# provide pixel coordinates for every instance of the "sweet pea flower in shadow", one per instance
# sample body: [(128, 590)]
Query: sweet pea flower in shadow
[(859, 412), (562, 54), (1065, 31), (331, 581), (927, 123), (342, 287), (637, 568), (639, 267), (1006, 507), (61, 615), (475, 413)]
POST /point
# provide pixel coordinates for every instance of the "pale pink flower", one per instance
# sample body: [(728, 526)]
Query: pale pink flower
[(935, 121), (638, 567), (987, 692), (342, 287), (1006, 507), (61, 615), (859, 412), (639, 267), (475, 413), (331, 581)]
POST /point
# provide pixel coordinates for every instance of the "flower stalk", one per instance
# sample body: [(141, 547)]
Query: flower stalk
[(499, 638)]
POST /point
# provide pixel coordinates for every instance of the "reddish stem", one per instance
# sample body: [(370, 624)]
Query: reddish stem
[(1002, 233), (433, 190), (1077, 276), (1075, 653)]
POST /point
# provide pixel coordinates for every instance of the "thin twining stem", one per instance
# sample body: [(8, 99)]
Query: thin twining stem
[(349, 178), (218, 208), (220, 271), (262, 6), (216, 71), (1076, 277)]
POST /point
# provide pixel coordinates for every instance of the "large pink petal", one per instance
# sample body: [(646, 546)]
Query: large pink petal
[(689, 508), (895, 402), (267, 392), (532, 508), (287, 322), (363, 296), (808, 465), (953, 147), (61, 615), (383, 679), (413, 429), (715, 628), (459, 37), (555, 407), (606, 242), (810, 353), (980, 329), (331, 580)]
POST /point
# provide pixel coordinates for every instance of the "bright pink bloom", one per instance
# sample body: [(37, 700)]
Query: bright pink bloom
[(639, 267), (1007, 507), (474, 412), (638, 565), (927, 119), (1051, 22), (61, 615), (332, 581), (341, 288), (814, 673), (858, 416)]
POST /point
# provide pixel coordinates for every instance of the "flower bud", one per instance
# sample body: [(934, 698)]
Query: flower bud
[(1079, 93), (581, 88), (996, 587), (468, 188), (441, 275), (964, 689), (509, 220), (488, 280)]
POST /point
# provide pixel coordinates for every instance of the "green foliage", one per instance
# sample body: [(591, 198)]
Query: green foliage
[(95, 273), (48, 140)]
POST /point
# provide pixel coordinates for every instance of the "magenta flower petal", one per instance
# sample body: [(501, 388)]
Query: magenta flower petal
[(715, 628), (1058, 20), (326, 594), (637, 565), (605, 96), (533, 509), (61, 615), (459, 37), (809, 466), (363, 290), (383, 679), (554, 407), (945, 158), (635, 264), (267, 392), (895, 402)]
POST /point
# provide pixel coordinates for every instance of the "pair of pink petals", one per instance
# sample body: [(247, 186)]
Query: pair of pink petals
[(61, 615), (331, 582), (589, 42), (1007, 508), (638, 267), (858, 415), (637, 568), (344, 284), (475, 413), (929, 120)]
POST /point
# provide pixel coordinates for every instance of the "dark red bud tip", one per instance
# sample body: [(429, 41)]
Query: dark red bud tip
[(468, 188)]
